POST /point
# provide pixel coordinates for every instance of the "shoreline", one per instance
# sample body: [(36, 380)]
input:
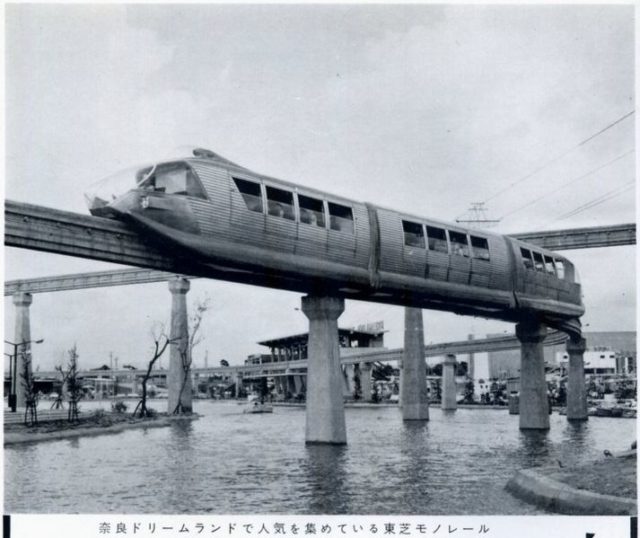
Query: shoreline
[(550, 488), (16, 438)]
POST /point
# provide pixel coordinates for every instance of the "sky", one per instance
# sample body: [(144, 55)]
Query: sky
[(420, 108)]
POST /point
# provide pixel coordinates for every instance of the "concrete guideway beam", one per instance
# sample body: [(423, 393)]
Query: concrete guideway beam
[(94, 279), (325, 421), (576, 389), (578, 238), (414, 397), (534, 404)]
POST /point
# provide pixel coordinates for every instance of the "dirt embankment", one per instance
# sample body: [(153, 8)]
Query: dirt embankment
[(604, 487), (99, 424)]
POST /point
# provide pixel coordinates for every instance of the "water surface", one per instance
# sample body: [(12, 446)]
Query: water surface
[(230, 463)]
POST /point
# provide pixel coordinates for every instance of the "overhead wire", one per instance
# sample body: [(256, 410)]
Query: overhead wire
[(560, 156), (598, 200), (572, 181)]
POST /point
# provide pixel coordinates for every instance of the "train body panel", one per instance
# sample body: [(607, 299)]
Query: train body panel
[(290, 236)]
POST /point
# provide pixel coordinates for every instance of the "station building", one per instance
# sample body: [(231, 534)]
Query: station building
[(292, 382)]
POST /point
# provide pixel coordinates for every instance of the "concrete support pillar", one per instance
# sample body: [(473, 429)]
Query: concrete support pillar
[(413, 378), (366, 383), (291, 385), (347, 393), (325, 405), (534, 405), (576, 389), (276, 386), (298, 384), (471, 365), (22, 301), (237, 383), (178, 379), (449, 393), (350, 373)]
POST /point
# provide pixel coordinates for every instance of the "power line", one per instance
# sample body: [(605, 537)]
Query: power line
[(558, 157), (598, 200), (608, 163)]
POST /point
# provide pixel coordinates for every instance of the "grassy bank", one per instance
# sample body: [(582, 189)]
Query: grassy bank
[(98, 423), (608, 476)]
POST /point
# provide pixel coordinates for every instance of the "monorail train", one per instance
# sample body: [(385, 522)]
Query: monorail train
[(234, 224)]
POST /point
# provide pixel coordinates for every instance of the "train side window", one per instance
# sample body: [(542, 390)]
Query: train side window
[(413, 234), (251, 194), (538, 262), (459, 245), (340, 218), (480, 248), (549, 266), (280, 203), (526, 258), (560, 269), (437, 239), (311, 210)]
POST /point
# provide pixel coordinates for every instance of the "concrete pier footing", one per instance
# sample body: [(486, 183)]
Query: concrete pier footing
[(179, 378), (413, 380), (22, 301), (534, 405), (449, 396), (576, 389), (325, 422)]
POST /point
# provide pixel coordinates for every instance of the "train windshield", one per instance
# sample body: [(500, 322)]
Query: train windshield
[(168, 178), (103, 192)]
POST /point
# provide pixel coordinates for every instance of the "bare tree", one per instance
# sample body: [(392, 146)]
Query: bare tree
[(186, 350), (160, 342), (30, 393), (59, 401), (72, 382)]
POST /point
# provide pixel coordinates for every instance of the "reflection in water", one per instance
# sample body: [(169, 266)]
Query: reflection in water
[(181, 433), (534, 446), (576, 438), (230, 463), (326, 478)]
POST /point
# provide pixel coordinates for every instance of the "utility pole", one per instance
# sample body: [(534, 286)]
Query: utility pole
[(477, 217)]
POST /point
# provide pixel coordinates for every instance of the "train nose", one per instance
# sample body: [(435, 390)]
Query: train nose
[(107, 198)]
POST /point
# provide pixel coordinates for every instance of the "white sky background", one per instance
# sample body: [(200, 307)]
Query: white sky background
[(421, 108)]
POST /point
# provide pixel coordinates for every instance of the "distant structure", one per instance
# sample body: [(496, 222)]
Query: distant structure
[(292, 382), (610, 352)]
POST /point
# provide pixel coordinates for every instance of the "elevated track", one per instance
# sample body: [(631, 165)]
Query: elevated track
[(74, 234)]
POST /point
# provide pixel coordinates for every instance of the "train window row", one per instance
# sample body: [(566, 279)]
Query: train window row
[(436, 238), (281, 203), (535, 261)]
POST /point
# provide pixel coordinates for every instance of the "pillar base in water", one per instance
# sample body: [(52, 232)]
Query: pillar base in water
[(534, 405), (413, 393), (325, 422), (449, 392), (576, 389)]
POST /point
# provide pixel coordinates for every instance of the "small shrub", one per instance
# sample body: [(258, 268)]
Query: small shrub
[(119, 407)]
